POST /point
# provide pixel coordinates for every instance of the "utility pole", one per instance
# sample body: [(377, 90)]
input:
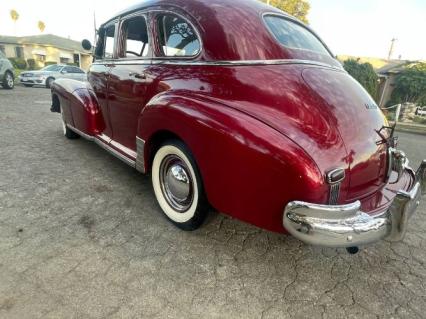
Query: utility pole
[(392, 48), (94, 27)]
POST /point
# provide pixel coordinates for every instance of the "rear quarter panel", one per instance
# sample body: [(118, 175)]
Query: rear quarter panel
[(250, 171)]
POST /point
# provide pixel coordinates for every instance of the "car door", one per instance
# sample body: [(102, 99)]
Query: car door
[(98, 74), (129, 80)]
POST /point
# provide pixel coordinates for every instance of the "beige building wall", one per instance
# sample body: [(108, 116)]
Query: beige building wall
[(42, 54)]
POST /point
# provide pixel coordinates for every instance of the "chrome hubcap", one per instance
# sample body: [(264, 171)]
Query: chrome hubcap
[(176, 183), (9, 80)]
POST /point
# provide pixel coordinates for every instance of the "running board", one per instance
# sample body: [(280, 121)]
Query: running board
[(105, 146)]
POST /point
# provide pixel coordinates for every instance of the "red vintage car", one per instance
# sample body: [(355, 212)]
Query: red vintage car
[(239, 106)]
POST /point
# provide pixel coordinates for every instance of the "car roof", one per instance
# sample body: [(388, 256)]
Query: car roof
[(232, 30), (229, 29)]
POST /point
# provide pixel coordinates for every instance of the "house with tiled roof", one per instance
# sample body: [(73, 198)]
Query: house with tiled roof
[(387, 77), (46, 48)]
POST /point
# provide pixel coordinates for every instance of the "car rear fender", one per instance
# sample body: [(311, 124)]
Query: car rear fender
[(247, 167), (79, 105)]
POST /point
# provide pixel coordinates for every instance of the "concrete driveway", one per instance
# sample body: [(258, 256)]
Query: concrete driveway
[(81, 236)]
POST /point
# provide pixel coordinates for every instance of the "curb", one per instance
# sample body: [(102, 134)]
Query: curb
[(411, 128)]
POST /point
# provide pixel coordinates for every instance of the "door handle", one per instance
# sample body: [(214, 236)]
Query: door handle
[(141, 76)]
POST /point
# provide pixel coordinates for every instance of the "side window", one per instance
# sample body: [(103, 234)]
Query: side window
[(135, 38), (294, 36), (109, 42), (68, 69), (177, 37), (76, 70)]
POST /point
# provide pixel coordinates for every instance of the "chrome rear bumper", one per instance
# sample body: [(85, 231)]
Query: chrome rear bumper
[(347, 225)]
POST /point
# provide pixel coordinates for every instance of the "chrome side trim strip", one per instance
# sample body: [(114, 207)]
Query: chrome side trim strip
[(84, 135), (140, 155), (106, 147), (117, 154), (218, 63)]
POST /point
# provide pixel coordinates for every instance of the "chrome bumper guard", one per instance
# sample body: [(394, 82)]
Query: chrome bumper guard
[(347, 225)]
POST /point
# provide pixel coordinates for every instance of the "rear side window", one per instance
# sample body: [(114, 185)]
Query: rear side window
[(293, 35), (177, 36), (109, 42), (105, 47), (135, 36), (77, 70)]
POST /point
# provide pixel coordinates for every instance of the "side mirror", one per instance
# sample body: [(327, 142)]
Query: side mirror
[(86, 44), (64, 72)]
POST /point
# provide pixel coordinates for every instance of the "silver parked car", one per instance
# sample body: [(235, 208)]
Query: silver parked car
[(48, 74), (7, 78)]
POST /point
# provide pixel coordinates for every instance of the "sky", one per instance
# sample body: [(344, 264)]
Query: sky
[(349, 27)]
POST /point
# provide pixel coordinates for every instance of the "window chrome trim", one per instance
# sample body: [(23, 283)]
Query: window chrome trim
[(158, 12), (223, 63), (121, 40)]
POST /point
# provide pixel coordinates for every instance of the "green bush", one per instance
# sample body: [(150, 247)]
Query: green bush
[(420, 120), (50, 63), (364, 73), (18, 63), (31, 64)]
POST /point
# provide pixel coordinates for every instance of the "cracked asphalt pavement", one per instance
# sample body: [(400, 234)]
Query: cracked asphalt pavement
[(81, 236)]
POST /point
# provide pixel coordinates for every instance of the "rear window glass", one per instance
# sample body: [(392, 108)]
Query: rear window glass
[(177, 37), (294, 35)]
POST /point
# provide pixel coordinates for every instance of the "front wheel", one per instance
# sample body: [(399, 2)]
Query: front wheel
[(49, 82), (67, 132), (178, 186), (8, 81)]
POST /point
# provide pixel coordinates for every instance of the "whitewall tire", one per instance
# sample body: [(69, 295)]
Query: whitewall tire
[(68, 133), (178, 186)]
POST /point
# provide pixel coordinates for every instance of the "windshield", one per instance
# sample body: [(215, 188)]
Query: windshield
[(52, 68), (293, 35)]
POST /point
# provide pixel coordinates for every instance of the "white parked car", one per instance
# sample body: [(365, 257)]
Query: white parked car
[(48, 74), (421, 111)]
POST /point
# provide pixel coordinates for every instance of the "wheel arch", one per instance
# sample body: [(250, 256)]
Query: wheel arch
[(79, 104), (241, 160), (154, 143)]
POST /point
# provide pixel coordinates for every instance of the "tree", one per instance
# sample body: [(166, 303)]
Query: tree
[(410, 85), (297, 8), (364, 73), (41, 26), (14, 15)]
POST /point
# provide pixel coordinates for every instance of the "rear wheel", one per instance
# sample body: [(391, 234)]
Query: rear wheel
[(178, 186), (8, 81)]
